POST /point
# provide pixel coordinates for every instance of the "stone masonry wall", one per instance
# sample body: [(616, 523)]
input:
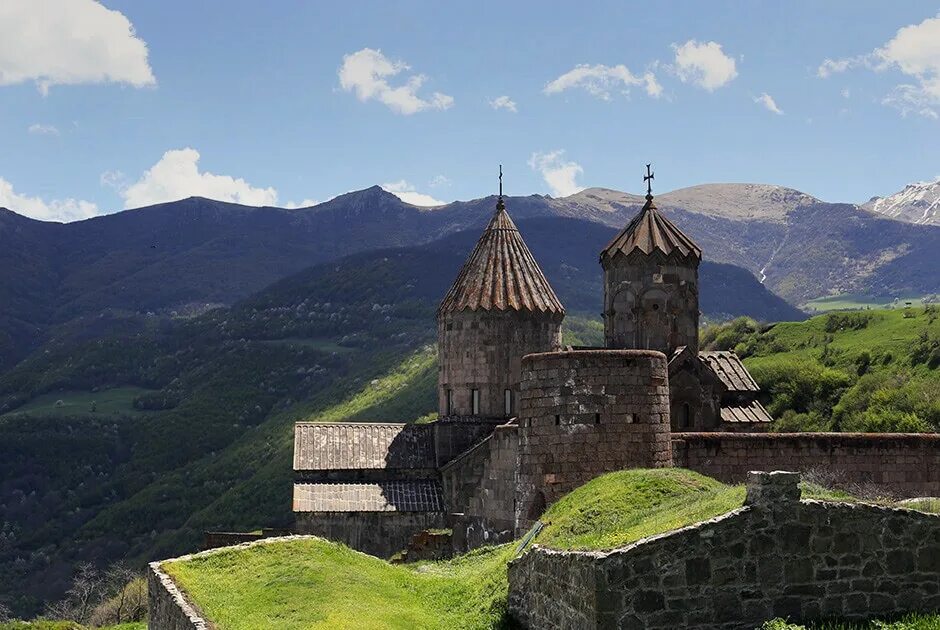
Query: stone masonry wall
[(480, 490), (651, 302), (168, 607), (483, 350), (584, 413), (906, 465), (775, 557), (380, 534)]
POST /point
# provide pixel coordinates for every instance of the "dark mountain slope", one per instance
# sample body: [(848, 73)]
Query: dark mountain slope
[(183, 255)]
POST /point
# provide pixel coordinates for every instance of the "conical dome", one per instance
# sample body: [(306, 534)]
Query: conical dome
[(501, 274), (649, 231)]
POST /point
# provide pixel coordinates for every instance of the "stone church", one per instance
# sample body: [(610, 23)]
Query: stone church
[(523, 420)]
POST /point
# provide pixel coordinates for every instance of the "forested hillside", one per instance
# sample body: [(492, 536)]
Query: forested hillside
[(870, 370)]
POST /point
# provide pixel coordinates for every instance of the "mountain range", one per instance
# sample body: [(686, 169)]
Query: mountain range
[(182, 257)]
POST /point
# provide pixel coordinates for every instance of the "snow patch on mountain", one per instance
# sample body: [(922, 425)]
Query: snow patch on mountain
[(917, 203)]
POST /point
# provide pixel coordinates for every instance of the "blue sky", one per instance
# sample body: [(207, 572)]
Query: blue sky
[(109, 106)]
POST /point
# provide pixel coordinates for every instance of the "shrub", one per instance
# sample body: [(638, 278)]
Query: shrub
[(793, 422), (846, 321), (800, 386)]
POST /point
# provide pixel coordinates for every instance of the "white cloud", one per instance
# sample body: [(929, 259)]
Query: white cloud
[(768, 103), (43, 130), (915, 52), (560, 175), (366, 73), (504, 102), (598, 80), (176, 176), (36, 208), (705, 64), (69, 42), (406, 192), (830, 67), (439, 181), (306, 203)]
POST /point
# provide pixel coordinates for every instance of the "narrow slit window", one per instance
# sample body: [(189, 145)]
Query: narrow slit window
[(450, 402), (507, 401), (475, 402)]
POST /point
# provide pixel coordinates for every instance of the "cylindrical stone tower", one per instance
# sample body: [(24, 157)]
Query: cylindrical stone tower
[(500, 308), (584, 413), (651, 285)]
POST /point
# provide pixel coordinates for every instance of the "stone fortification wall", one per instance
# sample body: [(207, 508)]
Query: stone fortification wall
[(775, 557), (483, 350), (904, 465), (480, 490), (380, 534), (168, 607), (584, 413)]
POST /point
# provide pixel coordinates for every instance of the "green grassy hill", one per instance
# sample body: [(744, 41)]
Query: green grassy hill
[(313, 583), (869, 370), (319, 584)]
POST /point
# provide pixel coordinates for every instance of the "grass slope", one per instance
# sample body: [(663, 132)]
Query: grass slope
[(313, 583), (116, 402), (619, 508)]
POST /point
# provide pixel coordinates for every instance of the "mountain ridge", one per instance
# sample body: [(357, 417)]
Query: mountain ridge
[(181, 256)]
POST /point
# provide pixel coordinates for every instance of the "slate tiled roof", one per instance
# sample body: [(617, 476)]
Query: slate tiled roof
[(728, 367), (501, 274), (383, 496), (649, 231), (362, 446), (752, 413)]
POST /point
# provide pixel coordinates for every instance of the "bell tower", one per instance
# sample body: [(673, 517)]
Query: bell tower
[(651, 284), (500, 308)]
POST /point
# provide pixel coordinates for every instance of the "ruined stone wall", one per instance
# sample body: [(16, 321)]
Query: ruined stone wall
[(380, 534), (651, 302), (480, 489), (776, 557), (168, 607), (905, 465), (584, 413), (483, 350)]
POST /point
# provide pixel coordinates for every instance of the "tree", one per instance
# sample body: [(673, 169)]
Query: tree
[(5, 613), (86, 592), (125, 597)]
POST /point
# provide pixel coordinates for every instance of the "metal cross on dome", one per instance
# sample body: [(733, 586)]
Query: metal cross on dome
[(500, 180), (648, 179)]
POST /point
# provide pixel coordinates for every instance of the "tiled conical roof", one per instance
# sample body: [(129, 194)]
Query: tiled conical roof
[(649, 231), (501, 274)]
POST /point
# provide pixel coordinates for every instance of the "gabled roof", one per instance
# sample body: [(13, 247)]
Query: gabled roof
[(383, 496), (728, 367), (362, 446), (650, 231), (501, 274), (745, 414)]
